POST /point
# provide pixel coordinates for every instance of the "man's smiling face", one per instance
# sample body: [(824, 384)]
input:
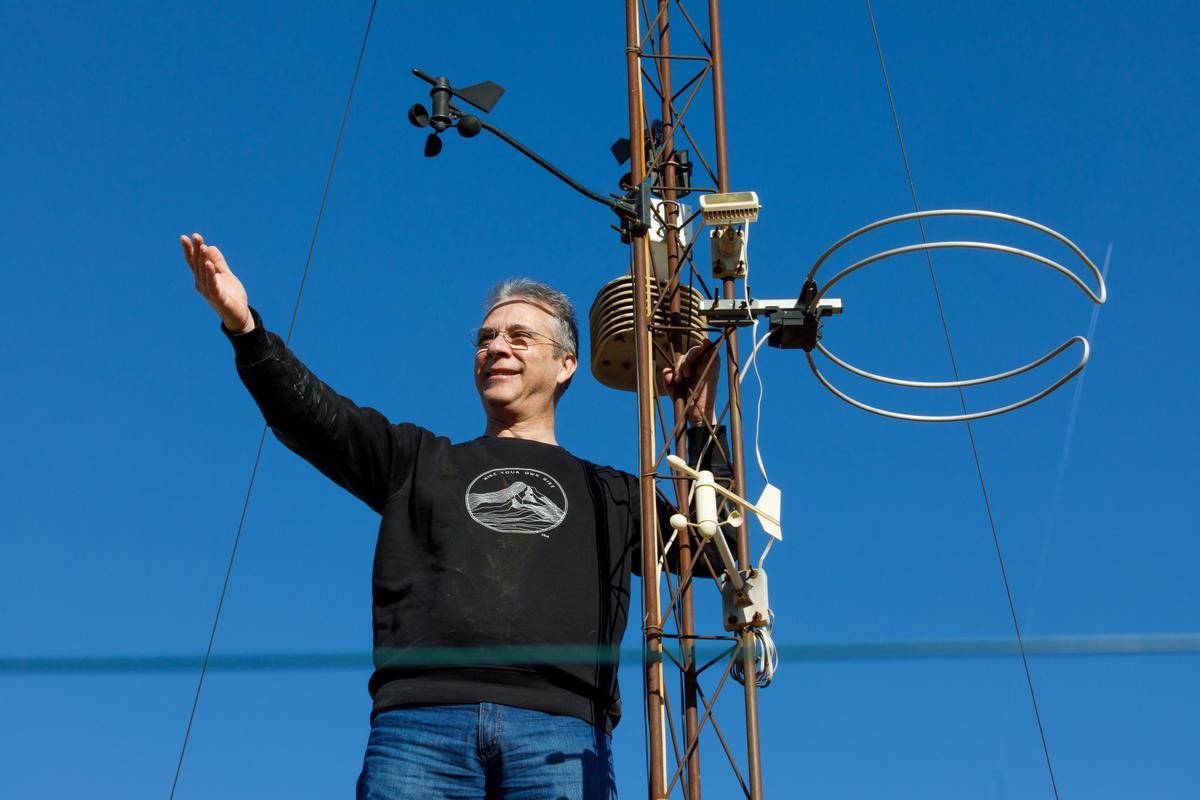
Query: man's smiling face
[(517, 383)]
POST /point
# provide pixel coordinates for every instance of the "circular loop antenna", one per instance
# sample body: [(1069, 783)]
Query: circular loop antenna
[(1097, 296), (1083, 359), (999, 376)]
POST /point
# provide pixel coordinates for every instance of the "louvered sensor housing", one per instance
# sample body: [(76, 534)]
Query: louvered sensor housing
[(731, 208)]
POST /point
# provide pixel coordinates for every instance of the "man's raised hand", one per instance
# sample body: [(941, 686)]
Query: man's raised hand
[(696, 371), (217, 284)]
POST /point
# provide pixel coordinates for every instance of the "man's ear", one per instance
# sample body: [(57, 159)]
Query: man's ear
[(569, 364)]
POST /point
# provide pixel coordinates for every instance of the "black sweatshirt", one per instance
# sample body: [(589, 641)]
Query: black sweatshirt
[(500, 546)]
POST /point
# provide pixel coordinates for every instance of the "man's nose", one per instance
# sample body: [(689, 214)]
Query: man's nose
[(499, 345)]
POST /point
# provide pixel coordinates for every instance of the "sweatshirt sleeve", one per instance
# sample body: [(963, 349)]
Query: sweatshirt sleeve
[(703, 453), (355, 447)]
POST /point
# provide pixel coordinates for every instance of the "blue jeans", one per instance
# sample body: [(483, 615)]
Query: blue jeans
[(485, 750)]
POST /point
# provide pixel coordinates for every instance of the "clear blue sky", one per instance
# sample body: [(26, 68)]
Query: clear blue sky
[(130, 440)]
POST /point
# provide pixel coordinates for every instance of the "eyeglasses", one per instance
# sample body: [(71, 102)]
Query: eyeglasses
[(517, 338)]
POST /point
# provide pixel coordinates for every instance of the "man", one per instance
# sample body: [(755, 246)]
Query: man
[(492, 548)]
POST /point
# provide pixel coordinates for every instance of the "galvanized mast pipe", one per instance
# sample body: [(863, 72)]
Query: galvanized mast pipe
[(753, 747), (670, 180), (651, 623)]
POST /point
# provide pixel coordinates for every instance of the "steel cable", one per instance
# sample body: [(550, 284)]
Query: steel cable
[(263, 437), (963, 400)]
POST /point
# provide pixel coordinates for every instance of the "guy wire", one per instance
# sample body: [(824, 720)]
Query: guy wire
[(263, 437), (1012, 608)]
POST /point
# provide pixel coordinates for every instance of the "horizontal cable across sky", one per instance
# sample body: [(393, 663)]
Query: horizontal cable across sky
[(1100, 645)]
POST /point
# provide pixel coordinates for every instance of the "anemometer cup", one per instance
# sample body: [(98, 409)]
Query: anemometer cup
[(1098, 296)]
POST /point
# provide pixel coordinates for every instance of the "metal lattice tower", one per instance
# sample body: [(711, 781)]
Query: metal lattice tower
[(674, 724)]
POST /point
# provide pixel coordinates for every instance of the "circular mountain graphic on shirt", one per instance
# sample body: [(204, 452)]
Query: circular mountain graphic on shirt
[(516, 500)]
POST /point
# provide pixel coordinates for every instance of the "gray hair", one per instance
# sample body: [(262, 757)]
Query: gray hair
[(558, 305), (564, 328)]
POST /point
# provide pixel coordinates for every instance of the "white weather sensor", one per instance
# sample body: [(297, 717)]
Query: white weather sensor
[(730, 208)]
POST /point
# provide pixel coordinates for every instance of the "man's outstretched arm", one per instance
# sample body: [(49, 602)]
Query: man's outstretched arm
[(355, 447)]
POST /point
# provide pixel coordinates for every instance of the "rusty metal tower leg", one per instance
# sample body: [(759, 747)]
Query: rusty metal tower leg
[(753, 749), (651, 624), (669, 178)]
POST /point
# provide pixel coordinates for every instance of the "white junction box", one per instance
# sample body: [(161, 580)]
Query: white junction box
[(728, 248), (748, 607), (658, 236)]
